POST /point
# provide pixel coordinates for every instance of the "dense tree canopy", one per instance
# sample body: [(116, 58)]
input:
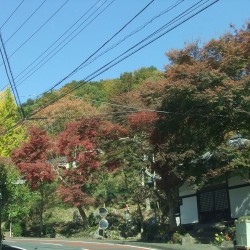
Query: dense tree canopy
[(166, 122), (205, 99), (32, 159)]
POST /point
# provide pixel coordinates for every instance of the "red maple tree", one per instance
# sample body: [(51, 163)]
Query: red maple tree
[(81, 143), (31, 159)]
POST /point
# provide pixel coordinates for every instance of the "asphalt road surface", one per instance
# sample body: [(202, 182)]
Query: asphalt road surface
[(40, 244)]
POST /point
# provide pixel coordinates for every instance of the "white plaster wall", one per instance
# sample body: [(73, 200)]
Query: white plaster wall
[(237, 180), (240, 201), (189, 210), (186, 189)]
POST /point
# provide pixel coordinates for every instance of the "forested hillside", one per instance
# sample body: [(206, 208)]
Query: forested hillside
[(132, 140)]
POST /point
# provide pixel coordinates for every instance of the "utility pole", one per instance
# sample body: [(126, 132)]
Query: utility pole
[(1, 235)]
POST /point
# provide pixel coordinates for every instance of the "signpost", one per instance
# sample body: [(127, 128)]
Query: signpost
[(126, 213), (103, 212), (103, 224), (1, 235)]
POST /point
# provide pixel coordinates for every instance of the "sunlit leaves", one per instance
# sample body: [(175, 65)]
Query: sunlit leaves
[(31, 158), (205, 95)]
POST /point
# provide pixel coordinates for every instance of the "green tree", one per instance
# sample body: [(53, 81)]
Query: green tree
[(92, 93), (20, 200), (146, 73), (206, 98), (10, 138)]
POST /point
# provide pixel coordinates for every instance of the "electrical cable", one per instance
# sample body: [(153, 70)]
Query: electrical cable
[(11, 85), (98, 73), (141, 11), (26, 21), (11, 14), (126, 106), (132, 33), (76, 87), (136, 109), (183, 14), (86, 79), (93, 6), (6, 70), (36, 31), (87, 62), (65, 32), (163, 12), (56, 52), (105, 43)]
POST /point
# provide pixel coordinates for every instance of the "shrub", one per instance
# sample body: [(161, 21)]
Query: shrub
[(17, 229), (176, 238)]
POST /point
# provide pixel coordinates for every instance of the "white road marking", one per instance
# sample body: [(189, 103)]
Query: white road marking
[(18, 248), (54, 244)]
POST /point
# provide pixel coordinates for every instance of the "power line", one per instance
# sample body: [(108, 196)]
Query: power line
[(65, 32), (93, 6), (113, 63), (6, 70), (132, 33), (123, 56), (75, 70), (105, 43), (36, 31), (11, 79), (130, 107), (103, 69), (80, 67), (87, 62), (32, 14), (54, 51), (11, 14), (134, 110), (140, 28)]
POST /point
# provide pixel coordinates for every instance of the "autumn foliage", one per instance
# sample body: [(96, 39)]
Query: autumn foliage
[(171, 118), (142, 121), (31, 159), (81, 144)]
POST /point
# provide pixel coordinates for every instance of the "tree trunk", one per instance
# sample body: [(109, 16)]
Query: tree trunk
[(168, 206), (84, 216), (171, 211)]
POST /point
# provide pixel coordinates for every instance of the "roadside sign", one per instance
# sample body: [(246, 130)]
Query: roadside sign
[(103, 212), (103, 224)]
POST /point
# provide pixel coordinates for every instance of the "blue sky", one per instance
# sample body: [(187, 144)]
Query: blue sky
[(32, 31)]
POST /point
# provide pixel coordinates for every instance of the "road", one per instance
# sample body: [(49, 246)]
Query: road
[(40, 244)]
